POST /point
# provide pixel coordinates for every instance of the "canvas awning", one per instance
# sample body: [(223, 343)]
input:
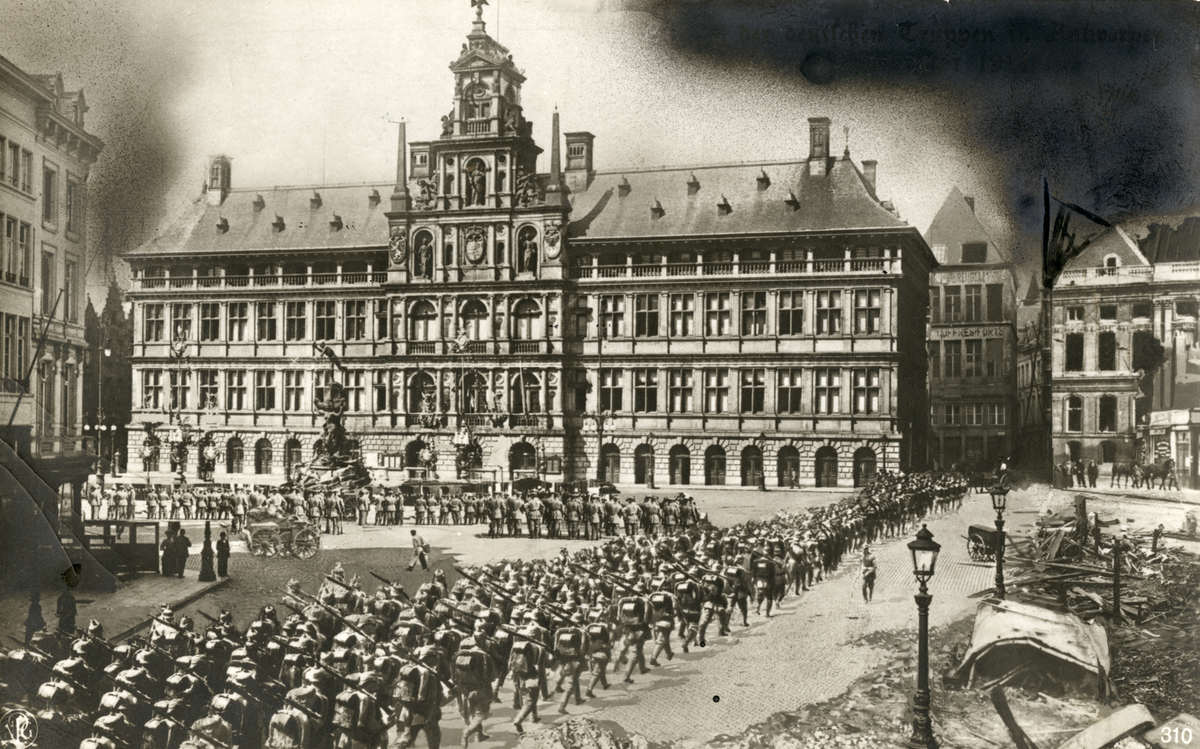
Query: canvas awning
[(1026, 641)]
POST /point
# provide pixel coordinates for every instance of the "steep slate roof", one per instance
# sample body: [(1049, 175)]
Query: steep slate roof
[(838, 200), (304, 227), (956, 223), (1165, 243), (1111, 241)]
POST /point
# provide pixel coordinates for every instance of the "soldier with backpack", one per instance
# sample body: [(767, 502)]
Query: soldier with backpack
[(599, 645), (359, 721), (570, 648), (712, 594), (634, 617), (662, 613), (527, 665), (418, 698), (473, 675), (762, 569)]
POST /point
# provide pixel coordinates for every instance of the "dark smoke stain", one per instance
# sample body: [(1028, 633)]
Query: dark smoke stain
[(1101, 97)]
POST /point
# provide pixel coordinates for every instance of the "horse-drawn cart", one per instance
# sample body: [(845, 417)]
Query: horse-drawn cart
[(268, 536), (982, 542)]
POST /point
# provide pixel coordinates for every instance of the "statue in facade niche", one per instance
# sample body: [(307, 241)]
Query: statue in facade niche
[(448, 124), (423, 257)]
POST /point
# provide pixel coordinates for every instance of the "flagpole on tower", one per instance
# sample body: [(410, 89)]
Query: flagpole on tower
[(1047, 342)]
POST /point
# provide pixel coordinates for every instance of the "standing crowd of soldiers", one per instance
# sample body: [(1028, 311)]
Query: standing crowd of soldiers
[(347, 668)]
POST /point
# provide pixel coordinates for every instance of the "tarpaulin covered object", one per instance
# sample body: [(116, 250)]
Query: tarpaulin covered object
[(1019, 640)]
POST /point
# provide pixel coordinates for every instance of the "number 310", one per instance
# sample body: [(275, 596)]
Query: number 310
[(1176, 735)]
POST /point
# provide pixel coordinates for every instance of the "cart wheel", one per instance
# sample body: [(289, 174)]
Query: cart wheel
[(306, 544)]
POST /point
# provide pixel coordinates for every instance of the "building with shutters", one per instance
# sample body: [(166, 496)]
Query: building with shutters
[(1121, 307), (46, 154), (972, 341), (721, 324)]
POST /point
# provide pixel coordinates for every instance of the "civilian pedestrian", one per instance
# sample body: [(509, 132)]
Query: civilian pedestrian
[(223, 555), (182, 544), (420, 552)]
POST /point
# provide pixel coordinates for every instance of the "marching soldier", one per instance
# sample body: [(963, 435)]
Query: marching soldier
[(473, 675), (570, 649), (599, 641)]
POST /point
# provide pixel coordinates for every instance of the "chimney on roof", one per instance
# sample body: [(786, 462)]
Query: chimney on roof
[(970, 202), (818, 145), (580, 172), (868, 171), (400, 199), (219, 178)]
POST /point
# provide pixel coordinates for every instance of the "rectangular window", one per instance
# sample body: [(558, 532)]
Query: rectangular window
[(717, 313), (716, 391), (788, 396), (953, 414), (25, 253), (754, 313), (208, 389), (1108, 312), (7, 364), (22, 353), (8, 250), (325, 316), (973, 359), (953, 310), (74, 207), (152, 389), (827, 390), (994, 357), (356, 391), (935, 360), (239, 315), (680, 385), (235, 390), (867, 310), (645, 390), (27, 171), (1074, 314), (610, 390), (1107, 350), (71, 289), (1074, 414), (382, 389), (829, 312), (181, 322), (995, 302), (953, 358), (293, 390), (152, 323), (866, 390), (974, 252), (1074, 362), (322, 379), (974, 302), (935, 304), (645, 315), (14, 164), (49, 195), (972, 414), (210, 321), (612, 316), (267, 317), (683, 310), (791, 313), (295, 317), (180, 381), (264, 390), (753, 391), (996, 414), (49, 284), (356, 320)]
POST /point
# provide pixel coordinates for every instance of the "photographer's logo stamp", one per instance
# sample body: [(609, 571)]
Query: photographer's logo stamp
[(18, 728)]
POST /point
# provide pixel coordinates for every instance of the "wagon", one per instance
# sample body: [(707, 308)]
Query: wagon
[(982, 542), (282, 536)]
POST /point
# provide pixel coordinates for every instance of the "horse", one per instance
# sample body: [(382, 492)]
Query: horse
[(1126, 471), (1163, 470)]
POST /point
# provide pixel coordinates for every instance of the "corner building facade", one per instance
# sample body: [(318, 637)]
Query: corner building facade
[(754, 324)]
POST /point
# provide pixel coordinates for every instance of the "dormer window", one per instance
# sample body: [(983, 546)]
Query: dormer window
[(656, 210), (576, 150), (724, 208), (763, 180), (693, 185), (223, 225), (259, 203), (335, 223), (623, 188), (315, 201), (278, 223), (974, 252), (1111, 264)]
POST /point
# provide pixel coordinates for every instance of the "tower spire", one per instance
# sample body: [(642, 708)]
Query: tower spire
[(400, 200), (555, 156)]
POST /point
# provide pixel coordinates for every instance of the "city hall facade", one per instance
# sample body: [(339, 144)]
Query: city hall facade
[(729, 324)]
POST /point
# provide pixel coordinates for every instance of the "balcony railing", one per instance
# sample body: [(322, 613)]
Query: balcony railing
[(347, 278), (742, 268), (478, 126), (1186, 270), (426, 347)]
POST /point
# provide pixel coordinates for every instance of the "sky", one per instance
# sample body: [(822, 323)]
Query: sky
[(1096, 96)]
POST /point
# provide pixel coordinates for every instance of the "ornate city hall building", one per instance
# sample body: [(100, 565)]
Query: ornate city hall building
[(748, 324)]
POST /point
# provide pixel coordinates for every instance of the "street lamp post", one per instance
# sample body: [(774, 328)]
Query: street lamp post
[(761, 443), (924, 554), (999, 501)]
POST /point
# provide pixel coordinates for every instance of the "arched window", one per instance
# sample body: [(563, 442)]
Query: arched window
[(1074, 414), (262, 456), (525, 393), (473, 393), (473, 320), (787, 466), (1111, 264), (420, 391), (526, 320), (752, 467), (681, 465), (714, 466), (233, 455), (291, 456), (610, 463), (827, 466), (864, 466), (412, 453), (527, 250), (643, 464), (422, 322), (522, 457)]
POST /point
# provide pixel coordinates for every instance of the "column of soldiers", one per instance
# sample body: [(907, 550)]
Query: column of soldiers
[(341, 667)]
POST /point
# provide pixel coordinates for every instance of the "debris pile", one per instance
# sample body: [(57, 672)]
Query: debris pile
[(583, 733)]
